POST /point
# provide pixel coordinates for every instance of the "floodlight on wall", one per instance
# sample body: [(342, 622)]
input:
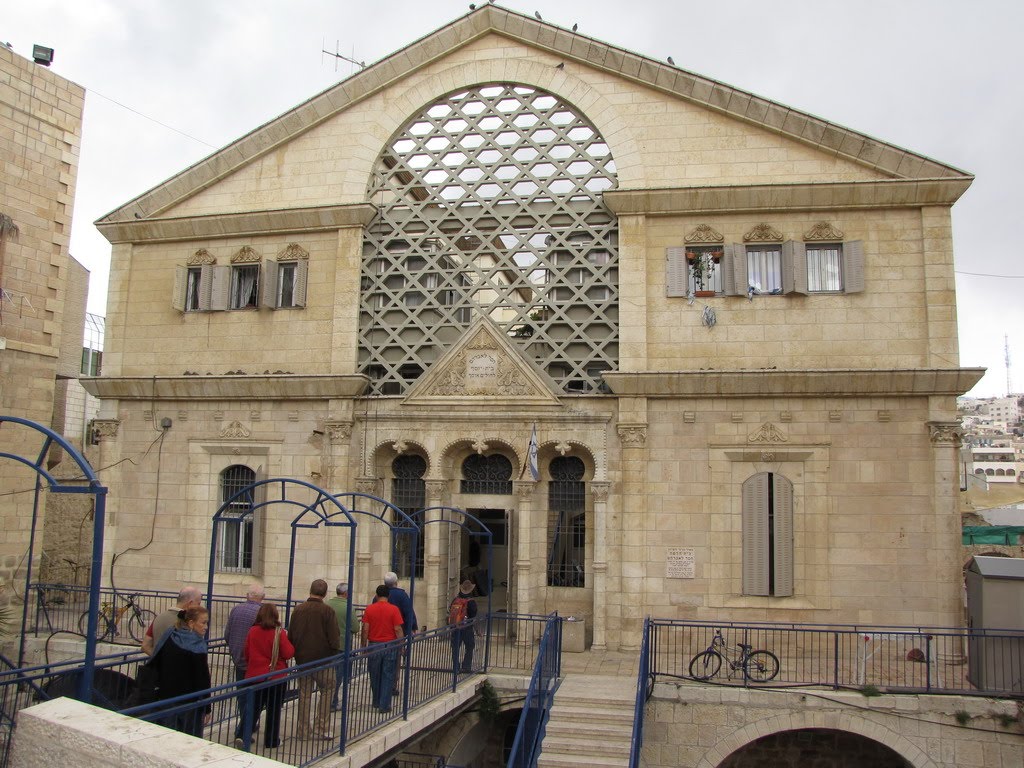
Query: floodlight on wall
[(42, 55)]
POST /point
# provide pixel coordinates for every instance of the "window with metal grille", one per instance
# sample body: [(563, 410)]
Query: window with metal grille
[(235, 529), (567, 522), (408, 493), (490, 205), (487, 474)]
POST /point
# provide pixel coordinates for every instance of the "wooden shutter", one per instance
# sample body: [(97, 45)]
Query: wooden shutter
[(180, 287), (734, 270), (269, 297), (782, 501), (794, 267), (301, 276), (853, 266), (755, 534), (676, 273), (218, 288)]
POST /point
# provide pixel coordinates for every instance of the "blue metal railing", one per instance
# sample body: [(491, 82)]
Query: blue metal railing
[(539, 697), (643, 678)]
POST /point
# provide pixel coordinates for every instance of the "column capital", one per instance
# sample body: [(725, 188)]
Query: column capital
[(367, 485), (524, 489), (600, 491), (632, 435), (338, 431), (105, 428), (946, 433)]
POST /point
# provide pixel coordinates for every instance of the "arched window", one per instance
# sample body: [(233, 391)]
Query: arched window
[(487, 474), (567, 522), (767, 513), (235, 530), (409, 493), (490, 205)]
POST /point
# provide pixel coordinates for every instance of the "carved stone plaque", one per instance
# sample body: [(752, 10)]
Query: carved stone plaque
[(482, 372), (681, 563)]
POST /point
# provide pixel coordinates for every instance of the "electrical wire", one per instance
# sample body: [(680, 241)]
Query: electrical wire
[(151, 119)]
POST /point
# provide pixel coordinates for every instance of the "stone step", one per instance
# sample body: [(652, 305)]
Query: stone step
[(560, 727), (589, 713), (573, 761), (578, 745)]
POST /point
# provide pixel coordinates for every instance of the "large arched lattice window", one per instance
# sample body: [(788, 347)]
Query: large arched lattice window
[(409, 493), (235, 534), (490, 205), (567, 522)]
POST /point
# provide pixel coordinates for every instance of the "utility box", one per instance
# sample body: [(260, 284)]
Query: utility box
[(574, 636), (995, 618)]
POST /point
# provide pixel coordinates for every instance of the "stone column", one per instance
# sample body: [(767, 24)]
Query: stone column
[(632, 558), (599, 493), (367, 576), (529, 532), (336, 473), (107, 433), (946, 437), (435, 555)]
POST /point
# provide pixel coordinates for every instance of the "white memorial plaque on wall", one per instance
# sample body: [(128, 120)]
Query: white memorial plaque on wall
[(681, 563)]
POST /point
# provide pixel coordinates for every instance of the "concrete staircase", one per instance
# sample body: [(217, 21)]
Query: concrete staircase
[(591, 723)]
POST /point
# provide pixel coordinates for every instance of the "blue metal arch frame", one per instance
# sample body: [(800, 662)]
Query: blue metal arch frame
[(88, 484)]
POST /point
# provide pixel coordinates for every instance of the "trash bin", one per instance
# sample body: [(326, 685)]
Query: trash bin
[(574, 635)]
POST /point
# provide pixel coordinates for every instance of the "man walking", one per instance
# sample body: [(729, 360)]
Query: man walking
[(339, 604), (236, 629), (461, 614), (399, 598), (382, 624), (314, 633), (188, 597)]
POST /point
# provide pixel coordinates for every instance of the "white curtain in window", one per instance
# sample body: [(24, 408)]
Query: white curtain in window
[(824, 271), (764, 269), (243, 286)]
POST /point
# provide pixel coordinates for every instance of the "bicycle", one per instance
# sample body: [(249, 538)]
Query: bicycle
[(758, 666), (109, 619)]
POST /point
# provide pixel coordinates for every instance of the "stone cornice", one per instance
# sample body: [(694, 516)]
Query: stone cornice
[(811, 196), (225, 387), (289, 220), (832, 383)]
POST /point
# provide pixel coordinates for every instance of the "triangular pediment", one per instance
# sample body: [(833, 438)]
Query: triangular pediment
[(484, 365), (162, 203)]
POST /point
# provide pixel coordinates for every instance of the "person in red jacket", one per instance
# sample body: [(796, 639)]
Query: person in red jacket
[(261, 658)]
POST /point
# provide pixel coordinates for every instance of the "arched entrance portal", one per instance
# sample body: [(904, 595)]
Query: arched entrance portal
[(814, 746)]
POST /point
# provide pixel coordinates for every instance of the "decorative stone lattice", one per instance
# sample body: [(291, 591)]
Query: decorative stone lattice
[(490, 203)]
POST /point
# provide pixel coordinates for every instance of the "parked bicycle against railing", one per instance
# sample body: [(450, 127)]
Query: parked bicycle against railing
[(110, 617), (758, 666)]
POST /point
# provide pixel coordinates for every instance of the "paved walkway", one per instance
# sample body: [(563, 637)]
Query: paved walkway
[(617, 663)]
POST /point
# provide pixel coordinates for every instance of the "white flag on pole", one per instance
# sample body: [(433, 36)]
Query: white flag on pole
[(532, 454)]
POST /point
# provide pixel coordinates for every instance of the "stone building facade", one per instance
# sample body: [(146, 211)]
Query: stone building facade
[(42, 306), (731, 324)]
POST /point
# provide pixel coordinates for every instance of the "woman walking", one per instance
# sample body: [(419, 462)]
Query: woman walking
[(268, 649), (181, 667)]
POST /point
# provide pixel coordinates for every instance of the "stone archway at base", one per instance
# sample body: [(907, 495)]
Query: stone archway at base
[(898, 747), (814, 746)]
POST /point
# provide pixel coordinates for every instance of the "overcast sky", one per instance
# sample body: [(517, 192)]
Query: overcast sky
[(170, 81)]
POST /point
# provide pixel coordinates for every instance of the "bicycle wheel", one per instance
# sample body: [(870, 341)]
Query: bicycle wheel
[(138, 623), (761, 666), (102, 625), (705, 665)]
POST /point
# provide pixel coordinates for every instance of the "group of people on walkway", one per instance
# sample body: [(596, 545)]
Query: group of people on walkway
[(260, 646)]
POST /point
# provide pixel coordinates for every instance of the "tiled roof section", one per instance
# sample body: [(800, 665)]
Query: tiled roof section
[(885, 158)]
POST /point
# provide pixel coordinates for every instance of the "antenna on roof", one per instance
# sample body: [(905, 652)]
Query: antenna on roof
[(337, 55), (1009, 383)]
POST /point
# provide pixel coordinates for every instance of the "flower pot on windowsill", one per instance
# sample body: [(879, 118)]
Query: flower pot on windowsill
[(703, 294)]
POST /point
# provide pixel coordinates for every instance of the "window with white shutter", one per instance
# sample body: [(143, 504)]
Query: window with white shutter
[(767, 523)]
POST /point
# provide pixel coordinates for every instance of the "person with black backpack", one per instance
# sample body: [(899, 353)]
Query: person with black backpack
[(461, 614)]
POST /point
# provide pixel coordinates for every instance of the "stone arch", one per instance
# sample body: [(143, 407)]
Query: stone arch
[(848, 722), (549, 449), (379, 458), (455, 452), (418, 89)]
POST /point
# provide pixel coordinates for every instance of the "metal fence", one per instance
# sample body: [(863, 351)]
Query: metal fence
[(888, 658), (539, 697), (425, 671)]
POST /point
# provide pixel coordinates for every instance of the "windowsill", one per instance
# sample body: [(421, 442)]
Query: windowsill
[(756, 601)]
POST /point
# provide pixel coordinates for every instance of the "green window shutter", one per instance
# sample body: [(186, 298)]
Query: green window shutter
[(794, 267), (180, 286), (853, 266), (782, 498), (218, 286), (301, 276), (734, 270), (269, 297), (755, 534), (676, 282)]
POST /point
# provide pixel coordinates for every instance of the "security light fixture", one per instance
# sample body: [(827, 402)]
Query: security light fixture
[(42, 55)]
